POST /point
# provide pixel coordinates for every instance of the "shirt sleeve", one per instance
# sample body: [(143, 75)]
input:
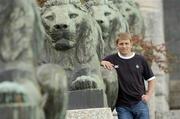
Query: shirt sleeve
[(147, 71), (108, 58)]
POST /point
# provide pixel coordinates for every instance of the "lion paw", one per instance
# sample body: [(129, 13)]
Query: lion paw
[(84, 82)]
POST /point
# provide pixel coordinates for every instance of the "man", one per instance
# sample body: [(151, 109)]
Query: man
[(132, 69)]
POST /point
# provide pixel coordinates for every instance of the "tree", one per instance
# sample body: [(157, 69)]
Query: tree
[(154, 53)]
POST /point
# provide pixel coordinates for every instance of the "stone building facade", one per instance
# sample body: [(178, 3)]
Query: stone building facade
[(161, 22)]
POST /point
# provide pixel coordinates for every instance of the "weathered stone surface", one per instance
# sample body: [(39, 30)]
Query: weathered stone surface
[(153, 17), (162, 108), (130, 11), (21, 35), (174, 99), (174, 114), (111, 83), (53, 82), (110, 20), (151, 11), (172, 36), (162, 85), (84, 99), (19, 111), (94, 113), (152, 106), (162, 115), (21, 39), (75, 42)]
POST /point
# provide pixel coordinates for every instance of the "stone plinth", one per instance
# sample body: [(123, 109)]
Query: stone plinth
[(93, 113), (19, 111), (89, 98)]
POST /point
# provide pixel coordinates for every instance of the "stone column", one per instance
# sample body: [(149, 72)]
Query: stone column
[(153, 18)]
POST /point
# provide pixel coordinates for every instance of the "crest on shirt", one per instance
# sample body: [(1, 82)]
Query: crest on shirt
[(116, 66), (137, 66)]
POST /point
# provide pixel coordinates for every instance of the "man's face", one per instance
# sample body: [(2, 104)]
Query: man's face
[(124, 47)]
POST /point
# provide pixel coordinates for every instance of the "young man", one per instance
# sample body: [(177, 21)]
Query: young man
[(132, 69)]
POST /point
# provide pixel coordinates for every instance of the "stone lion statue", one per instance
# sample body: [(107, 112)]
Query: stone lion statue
[(74, 42), (130, 11), (20, 35), (110, 20), (21, 41)]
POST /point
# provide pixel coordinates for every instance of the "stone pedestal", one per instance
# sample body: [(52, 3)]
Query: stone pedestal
[(93, 113), (19, 111), (89, 98)]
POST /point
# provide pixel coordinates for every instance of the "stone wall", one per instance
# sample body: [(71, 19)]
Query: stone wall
[(174, 94), (172, 36)]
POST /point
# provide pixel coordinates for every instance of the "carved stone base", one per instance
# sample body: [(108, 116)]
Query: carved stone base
[(19, 111), (93, 113), (85, 99)]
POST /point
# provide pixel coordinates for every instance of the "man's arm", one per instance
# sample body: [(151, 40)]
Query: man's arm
[(107, 65), (150, 90)]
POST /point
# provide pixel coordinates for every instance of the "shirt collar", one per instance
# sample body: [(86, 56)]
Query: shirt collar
[(124, 57)]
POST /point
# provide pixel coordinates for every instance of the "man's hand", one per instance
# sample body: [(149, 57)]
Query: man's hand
[(145, 98), (107, 65)]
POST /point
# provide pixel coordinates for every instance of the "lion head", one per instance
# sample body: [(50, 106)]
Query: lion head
[(130, 11), (71, 30), (61, 27), (110, 21)]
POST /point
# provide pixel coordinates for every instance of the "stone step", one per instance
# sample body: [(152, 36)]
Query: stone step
[(92, 113)]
